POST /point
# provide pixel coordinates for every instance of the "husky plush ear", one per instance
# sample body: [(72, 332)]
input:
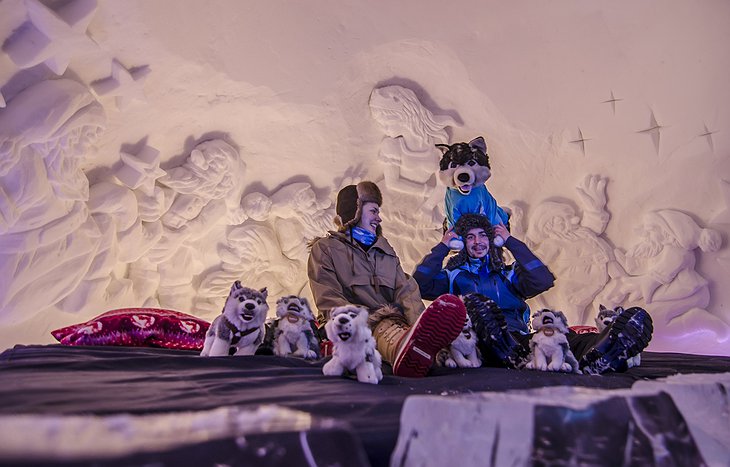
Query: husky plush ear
[(264, 292), (236, 285), (619, 309), (444, 148), (479, 143), (601, 308), (562, 317)]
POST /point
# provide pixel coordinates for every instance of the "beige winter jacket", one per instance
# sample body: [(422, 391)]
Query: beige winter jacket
[(341, 273)]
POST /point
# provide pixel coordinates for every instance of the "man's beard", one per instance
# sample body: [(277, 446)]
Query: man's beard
[(645, 249)]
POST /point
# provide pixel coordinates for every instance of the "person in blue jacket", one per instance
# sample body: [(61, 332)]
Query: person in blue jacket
[(495, 296)]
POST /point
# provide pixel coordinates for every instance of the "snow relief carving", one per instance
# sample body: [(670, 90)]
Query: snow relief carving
[(659, 270), (271, 249), (48, 239), (410, 161), (196, 197), (573, 249)]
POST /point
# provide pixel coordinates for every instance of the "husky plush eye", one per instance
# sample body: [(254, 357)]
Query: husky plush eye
[(352, 314), (472, 162), (258, 300), (453, 165), (240, 298)]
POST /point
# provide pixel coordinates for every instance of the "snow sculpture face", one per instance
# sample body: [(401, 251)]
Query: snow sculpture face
[(71, 121), (213, 171), (400, 113)]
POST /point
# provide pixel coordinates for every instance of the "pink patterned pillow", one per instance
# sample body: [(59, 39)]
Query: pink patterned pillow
[(138, 327), (584, 329)]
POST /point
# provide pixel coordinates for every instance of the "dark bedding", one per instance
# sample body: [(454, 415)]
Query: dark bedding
[(106, 380)]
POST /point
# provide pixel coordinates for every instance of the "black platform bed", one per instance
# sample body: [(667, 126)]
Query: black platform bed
[(55, 379)]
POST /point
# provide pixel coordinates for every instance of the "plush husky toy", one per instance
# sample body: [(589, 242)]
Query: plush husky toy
[(463, 352), (549, 346), (464, 169), (605, 318), (241, 324), (293, 333), (353, 345)]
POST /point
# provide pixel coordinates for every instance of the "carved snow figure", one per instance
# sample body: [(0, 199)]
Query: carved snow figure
[(272, 250), (47, 238), (464, 169), (240, 326), (409, 158), (407, 152), (571, 245), (660, 270), (203, 193)]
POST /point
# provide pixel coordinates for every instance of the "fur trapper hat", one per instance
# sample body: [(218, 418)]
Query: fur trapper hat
[(350, 200), (476, 221), (473, 221)]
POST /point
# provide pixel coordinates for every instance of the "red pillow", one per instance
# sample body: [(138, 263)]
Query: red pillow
[(584, 329), (138, 327)]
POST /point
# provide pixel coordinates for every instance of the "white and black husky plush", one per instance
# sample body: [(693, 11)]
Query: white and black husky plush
[(605, 318), (463, 352), (293, 333), (549, 346), (353, 345), (241, 324), (464, 170)]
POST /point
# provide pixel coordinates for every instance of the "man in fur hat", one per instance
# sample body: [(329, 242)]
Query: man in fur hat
[(356, 265), (495, 294)]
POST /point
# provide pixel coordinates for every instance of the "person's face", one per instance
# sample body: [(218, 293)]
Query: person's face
[(477, 243), (370, 219)]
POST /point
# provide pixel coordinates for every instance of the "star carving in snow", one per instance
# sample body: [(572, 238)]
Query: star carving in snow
[(52, 37), (654, 131), (581, 141), (123, 84), (141, 170), (708, 135), (612, 101)]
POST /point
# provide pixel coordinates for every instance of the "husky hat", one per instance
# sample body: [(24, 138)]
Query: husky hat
[(350, 201)]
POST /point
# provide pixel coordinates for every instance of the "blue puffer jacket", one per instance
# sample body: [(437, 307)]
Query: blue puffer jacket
[(508, 287)]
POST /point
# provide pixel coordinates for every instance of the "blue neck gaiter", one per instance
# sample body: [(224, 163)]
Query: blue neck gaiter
[(363, 236)]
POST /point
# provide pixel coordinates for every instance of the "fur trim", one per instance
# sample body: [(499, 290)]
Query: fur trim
[(473, 221), (392, 312), (363, 193), (476, 221)]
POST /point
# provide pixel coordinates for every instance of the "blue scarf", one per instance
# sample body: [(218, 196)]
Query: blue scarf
[(473, 265), (363, 236)]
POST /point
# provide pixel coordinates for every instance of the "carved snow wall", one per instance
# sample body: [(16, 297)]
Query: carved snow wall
[(98, 212)]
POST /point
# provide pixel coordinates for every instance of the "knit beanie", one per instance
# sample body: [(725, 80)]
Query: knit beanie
[(350, 200)]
